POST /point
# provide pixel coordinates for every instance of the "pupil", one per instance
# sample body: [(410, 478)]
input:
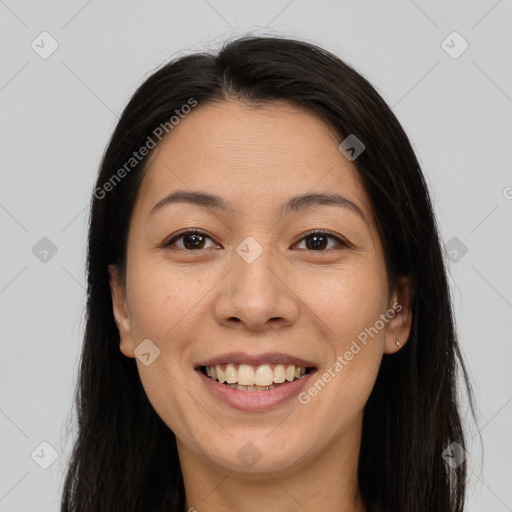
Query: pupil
[(195, 245), (316, 244)]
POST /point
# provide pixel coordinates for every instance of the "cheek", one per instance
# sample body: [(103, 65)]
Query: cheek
[(161, 305), (162, 300), (347, 300)]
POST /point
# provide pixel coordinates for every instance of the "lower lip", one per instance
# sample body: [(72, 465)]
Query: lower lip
[(254, 400)]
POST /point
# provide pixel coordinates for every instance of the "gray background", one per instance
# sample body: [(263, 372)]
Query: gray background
[(57, 114)]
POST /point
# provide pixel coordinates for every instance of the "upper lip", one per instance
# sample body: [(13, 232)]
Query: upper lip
[(256, 359)]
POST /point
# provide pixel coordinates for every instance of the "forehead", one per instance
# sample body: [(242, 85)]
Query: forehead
[(252, 155)]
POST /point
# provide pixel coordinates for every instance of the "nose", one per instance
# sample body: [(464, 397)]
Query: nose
[(255, 296)]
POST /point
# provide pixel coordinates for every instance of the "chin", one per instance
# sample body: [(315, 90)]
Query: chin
[(257, 455)]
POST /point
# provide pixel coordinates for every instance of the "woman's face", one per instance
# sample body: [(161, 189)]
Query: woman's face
[(256, 289)]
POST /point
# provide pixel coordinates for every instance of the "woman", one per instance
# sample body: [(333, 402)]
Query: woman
[(269, 324)]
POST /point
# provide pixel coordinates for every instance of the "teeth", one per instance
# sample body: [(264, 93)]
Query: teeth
[(245, 377), (279, 373), (220, 374), (264, 376), (231, 374), (251, 388)]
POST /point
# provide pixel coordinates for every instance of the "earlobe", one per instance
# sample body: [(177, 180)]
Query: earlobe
[(399, 327), (120, 310)]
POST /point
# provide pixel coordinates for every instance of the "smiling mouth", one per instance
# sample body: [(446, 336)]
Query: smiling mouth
[(264, 377)]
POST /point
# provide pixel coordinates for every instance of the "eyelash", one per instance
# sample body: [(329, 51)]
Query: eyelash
[(183, 234)]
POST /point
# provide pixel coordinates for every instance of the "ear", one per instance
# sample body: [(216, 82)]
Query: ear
[(399, 327), (120, 308)]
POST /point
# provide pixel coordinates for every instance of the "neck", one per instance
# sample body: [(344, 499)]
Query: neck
[(328, 482)]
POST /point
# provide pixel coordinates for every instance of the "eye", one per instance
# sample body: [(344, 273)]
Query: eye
[(193, 239), (319, 239)]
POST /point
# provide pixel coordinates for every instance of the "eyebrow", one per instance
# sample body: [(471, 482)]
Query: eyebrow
[(296, 203)]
